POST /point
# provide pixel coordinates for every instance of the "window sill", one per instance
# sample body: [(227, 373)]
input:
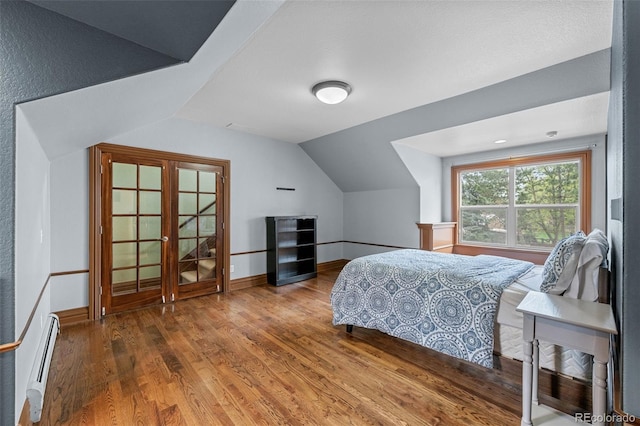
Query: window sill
[(534, 256)]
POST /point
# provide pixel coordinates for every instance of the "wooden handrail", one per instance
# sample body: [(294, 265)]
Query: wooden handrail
[(199, 213), (6, 347), (12, 346)]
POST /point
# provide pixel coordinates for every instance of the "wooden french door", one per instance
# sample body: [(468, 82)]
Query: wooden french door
[(134, 232), (161, 233), (197, 225)]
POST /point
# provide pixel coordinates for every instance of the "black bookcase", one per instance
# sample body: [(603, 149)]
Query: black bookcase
[(291, 249)]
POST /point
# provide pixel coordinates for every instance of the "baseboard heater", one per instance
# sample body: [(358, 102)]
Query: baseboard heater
[(40, 371)]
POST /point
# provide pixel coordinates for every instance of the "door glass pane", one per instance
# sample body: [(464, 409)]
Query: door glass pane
[(207, 203), (186, 247), (150, 277), (124, 175), (124, 275), (207, 182), (187, 204), (203, 248), (206, 269), (124, 202), (150, 252), (187, 180), (149, 202), (150, 177), (188, 272), (124, 228), (207, 226), (188, 226), (124, 281), (150, 227), (124, 254)]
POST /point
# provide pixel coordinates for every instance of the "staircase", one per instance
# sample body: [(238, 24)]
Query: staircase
[(206, 269), (204, 256)]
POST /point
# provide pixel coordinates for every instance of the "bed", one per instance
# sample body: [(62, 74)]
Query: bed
[(464, 306)]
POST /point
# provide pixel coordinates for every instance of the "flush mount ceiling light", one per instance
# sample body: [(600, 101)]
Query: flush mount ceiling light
[(331, 92), (499, 141), (552, 134)]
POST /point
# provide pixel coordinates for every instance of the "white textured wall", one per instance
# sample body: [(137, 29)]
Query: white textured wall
[(33, 238), (386, 217)]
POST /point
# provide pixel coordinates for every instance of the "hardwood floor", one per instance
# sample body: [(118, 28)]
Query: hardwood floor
[(262, 355)]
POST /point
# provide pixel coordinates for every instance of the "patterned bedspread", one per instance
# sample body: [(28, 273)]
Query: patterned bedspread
[(445, 302)]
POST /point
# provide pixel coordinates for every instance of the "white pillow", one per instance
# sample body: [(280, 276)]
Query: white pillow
[(560, 266), (584, 284)]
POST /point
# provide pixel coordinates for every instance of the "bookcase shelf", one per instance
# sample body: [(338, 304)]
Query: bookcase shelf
[(291, 249)]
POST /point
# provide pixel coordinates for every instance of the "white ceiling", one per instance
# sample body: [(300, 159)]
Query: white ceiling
[(573, 118), (398, 55)]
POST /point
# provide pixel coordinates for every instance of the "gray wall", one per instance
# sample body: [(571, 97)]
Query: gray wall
[(258, 166), (624, 197), (41, 54), (385, 217)]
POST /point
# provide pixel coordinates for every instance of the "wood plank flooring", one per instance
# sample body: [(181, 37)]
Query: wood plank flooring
[(263, 355)]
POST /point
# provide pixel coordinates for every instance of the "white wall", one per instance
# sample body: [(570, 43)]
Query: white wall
[(258, 166), (597, 144), (32, 249), (70, 230), (386, 217), (426, 169)]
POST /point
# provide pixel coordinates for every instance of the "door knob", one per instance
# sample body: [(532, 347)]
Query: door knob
[(164, 239)]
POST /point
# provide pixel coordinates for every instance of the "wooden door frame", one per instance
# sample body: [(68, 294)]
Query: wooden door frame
[(95, 212)]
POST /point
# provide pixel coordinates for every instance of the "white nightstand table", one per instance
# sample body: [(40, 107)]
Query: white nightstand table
[(577, 324)]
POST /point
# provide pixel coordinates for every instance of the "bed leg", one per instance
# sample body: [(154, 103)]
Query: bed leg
[(349, 328)]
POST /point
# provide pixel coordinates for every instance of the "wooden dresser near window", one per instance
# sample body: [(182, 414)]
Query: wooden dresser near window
[(438, 237)]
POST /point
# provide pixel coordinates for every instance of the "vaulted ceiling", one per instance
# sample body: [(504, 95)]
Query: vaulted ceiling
[(417, 68), (396, 55)]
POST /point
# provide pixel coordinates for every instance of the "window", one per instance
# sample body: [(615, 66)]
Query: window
[(525, 203)]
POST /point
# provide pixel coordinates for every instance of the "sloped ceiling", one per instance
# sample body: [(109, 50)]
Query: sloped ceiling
[(568, 119), (396, 55), (45, 53), (415, 67), (173, 28), (362, 158), (78, 119)]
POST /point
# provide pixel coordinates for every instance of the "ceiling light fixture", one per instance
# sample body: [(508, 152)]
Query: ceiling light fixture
[(552, 134), (331, 92), (499, 141)]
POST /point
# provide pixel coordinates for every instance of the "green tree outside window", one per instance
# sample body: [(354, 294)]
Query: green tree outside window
[(539, 204)]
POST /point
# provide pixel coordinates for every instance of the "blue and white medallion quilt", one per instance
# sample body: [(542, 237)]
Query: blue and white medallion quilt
[(445, 302)]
